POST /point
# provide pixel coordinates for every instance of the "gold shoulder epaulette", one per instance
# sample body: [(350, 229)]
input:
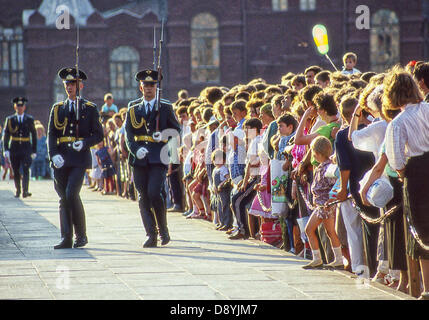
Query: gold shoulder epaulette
[(90, 104), (134, 105)]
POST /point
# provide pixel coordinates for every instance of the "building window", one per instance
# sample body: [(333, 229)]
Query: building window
[(280, 5), (205, 49), (11, 57), (384, 40), (124, 62), (306, 5)]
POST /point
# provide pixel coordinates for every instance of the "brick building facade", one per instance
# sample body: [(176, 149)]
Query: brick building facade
[(220, 42)]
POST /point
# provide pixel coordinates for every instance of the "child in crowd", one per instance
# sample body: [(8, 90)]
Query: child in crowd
[(349, 63), (287, 125), (198, 185), (222, 190), (106, 164), (109, 108), (321, 149)]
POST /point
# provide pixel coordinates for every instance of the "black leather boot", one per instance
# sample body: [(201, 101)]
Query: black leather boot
[(165, 239), (66, 229), (66, 243), (80, 242), (151, 242)]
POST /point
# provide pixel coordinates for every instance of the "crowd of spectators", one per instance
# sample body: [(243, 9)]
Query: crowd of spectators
[(315, 165)]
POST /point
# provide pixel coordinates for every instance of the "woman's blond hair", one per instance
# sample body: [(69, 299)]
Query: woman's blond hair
[(400, 89)]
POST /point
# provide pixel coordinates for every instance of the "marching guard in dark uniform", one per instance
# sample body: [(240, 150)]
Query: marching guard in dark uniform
[(20, 144), (146, 138), (71, 133)]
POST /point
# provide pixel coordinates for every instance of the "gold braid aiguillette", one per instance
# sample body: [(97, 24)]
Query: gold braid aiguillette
[(9, 126), (134, 123), (58, 125)]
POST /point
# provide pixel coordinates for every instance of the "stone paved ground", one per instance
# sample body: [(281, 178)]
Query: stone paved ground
[(199, 263)]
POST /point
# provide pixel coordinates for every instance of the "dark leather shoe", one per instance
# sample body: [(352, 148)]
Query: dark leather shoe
[(224, 228), (80, 242), (165, 239), (17, 194), (64, 244), (26, 194), (151, 242)]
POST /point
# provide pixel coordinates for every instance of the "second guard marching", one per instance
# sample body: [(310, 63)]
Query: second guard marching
[(147, 151), (20, 144)]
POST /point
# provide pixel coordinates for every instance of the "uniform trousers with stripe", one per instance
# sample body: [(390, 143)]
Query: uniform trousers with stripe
[(68, 183), (18, 161), (149, 181)]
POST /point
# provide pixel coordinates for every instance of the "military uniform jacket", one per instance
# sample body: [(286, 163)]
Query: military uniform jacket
[(20, 138), (62, 132), (139, 128)]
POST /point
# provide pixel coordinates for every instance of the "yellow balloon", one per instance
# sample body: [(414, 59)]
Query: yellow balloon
[(320, 36)]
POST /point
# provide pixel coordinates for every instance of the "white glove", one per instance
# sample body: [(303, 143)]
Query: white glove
[(58, 161), (7, 155), (33, 156), (141, 153), (78, 145), (157, 136)]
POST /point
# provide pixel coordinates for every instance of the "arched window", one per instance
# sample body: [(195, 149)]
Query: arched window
[(305, 5), (205, 48), (124, 62), (279, 5), (11, 57), (384, 40)]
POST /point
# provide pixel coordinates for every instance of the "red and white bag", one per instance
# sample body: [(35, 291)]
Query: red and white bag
[(271, 232)]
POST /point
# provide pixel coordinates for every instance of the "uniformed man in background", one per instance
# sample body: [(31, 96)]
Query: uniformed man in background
[(20, 144), (146, 138), (74, 127)]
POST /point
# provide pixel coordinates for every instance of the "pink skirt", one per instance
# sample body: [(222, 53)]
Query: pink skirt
[(256, 208)]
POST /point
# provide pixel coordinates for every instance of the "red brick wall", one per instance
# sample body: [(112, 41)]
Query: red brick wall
[(257, 43)]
